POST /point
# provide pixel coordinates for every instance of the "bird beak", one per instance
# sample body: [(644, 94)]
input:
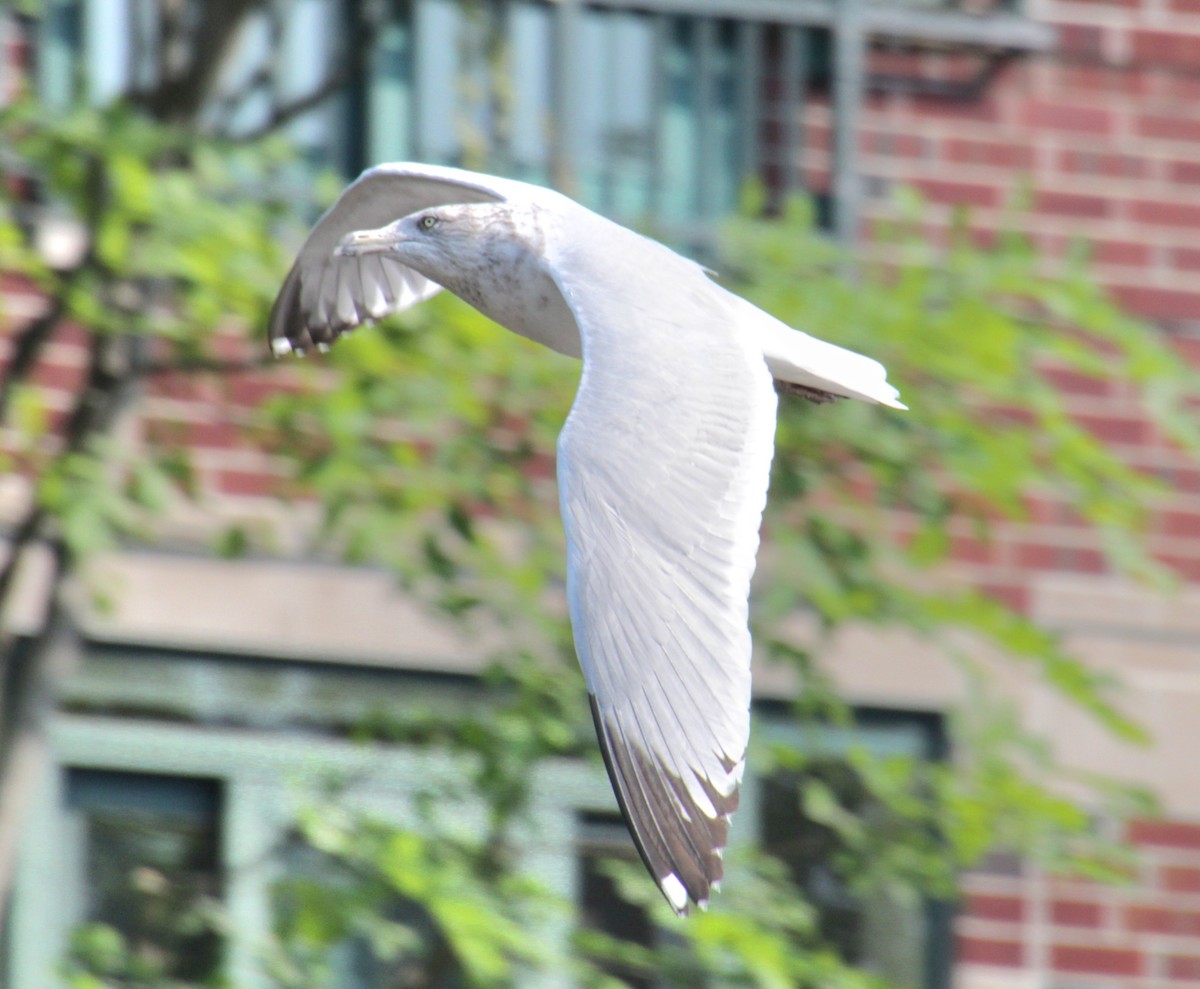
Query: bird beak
[(369, 241)]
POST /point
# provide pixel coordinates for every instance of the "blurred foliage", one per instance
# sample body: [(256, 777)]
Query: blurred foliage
[(429, 441)]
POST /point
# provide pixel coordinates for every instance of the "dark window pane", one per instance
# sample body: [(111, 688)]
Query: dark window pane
[(151, 863), (335, 916), (878, 933), (602, 839)]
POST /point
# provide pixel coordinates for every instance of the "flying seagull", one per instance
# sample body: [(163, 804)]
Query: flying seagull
[(662, 464)]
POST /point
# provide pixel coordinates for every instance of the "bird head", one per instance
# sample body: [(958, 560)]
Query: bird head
[(446, 243)]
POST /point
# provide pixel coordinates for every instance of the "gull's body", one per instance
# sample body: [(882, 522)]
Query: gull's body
[(663, 461)]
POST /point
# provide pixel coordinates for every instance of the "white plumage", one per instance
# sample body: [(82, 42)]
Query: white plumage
[(663, 461)]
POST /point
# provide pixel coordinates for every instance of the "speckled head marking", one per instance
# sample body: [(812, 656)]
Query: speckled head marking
[(485, 253)]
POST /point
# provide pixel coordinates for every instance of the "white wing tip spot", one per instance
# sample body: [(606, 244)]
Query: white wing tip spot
[(281, 346), (676, 894)]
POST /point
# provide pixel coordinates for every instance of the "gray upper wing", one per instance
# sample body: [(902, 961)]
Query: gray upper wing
[(325, 295)]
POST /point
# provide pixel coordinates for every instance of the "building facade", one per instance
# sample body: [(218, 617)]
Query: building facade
[(659, 111)]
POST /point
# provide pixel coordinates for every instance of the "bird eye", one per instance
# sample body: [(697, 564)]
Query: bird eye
[(427, 222)]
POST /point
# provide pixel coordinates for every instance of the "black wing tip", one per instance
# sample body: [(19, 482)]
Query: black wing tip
[(290, 332), (682, 853)]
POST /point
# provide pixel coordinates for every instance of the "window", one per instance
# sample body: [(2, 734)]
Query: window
[(603, 838), (148, 867), (908, 944), (642, 115), (338, 939)]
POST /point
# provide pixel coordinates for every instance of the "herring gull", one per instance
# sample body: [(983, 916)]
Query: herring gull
[(663, 460)]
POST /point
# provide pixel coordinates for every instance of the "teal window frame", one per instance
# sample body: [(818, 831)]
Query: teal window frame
[(260, 764)]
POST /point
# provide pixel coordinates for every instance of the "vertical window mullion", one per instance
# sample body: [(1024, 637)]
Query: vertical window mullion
[(390, 124), (704, 108), (795, 81), (749, 81)]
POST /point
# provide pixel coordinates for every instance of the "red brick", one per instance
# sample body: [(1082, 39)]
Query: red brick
[(1158, 303), (967, 549), (1044, 556), (1072, 204), (1179, 523), (244, 482), (1180, 879), (1120, 252), (1187, 568), (1080, 39), (1183, 967), (1068, 117), (219, 435), (1103, 163), (1184, 172), (1162, 920), (1113, 429), (1014, 595), (1169, 834), (1165, 212), (1185, 258), (984, 111), (818, 136), (1094, 960), (1186, 6), (1181, 479), (1051, 511), (1175, 48), (1176, 86), (1074, 382), (15, 284), (989, 951), (1188, 348), (1076, 913), (59, 377), (251, 389), (1002, 154), (896, 61), (959, 193), (990, 907), (1098, 80), (1171, 127)]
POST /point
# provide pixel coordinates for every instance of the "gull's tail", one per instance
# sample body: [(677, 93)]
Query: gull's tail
[(803, 360)]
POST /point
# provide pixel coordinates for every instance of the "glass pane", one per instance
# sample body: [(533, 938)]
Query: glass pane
[(389, 128), (678, 137), (878, 933), (603, 839), (343, 924), (151, 867), (531, 37), (437, 25)]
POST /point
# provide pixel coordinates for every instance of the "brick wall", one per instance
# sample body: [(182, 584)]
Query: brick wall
[(1051, 931), (1104, 133)]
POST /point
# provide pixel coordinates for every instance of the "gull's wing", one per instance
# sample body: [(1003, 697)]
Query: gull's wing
[(663, 471), (323, 295)]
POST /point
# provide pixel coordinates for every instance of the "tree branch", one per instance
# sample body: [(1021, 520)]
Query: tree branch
[(203, 365), (287, 112), (350, 63)]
